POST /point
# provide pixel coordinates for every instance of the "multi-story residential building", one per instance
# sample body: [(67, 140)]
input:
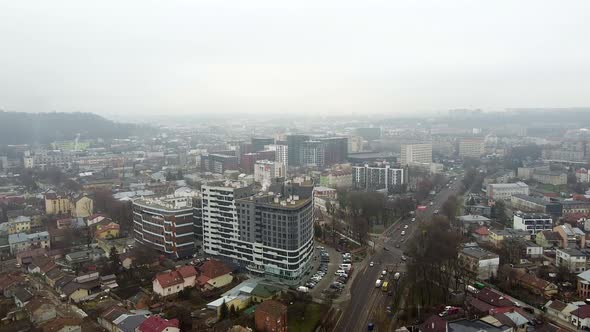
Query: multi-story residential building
[(584, 284), (21, 241), (473, 147), (504, 191), (571, 237), (312, 154), (218, 163), (79, 206), (281, 153), (416, 153), (571, 207), (265, 171), (482, 264), (295, 144), (550, 177), (533, 223), (59, 159), (20, 224), (165, 224), (527, 203), (573, 259), (497, 236), (335, 150), (340, 178), (268, 234), (380, 177)]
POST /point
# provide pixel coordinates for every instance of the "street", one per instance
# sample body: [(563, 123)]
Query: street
[(367, 302)]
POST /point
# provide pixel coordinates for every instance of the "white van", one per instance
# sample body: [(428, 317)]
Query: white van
[(345, 267)]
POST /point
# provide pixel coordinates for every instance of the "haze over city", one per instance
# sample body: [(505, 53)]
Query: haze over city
[(309, 57)]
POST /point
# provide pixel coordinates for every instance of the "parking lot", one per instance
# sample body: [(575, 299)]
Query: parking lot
[(328, 261)]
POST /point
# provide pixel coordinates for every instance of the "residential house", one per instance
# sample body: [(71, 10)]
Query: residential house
[(214, 274), (81, 206), (469, 221), (548, 239), (537, 285), (63, 324), (53, 276), (263, 292), (482, 264), (21, 224), (22, 241), (84, 256), (41, 265), (581, 317), (571, 237), (559, 310), (76, 291), (172, 282), (9, 282), (533, 250), (487, 299), (107, 318), (78, 206), (108, 231), (95, 219), (129, 322), (40, 310), (574, 259), (271, 316), (108, 281), (434, 323), (159, 324), (583, 284), (497, 236), (22, 296)]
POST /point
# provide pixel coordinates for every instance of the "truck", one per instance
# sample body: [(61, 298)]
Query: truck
[(378, 283)]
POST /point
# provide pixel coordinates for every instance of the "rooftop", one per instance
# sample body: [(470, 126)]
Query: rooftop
[(479, 253), (169, 203), (509, 185)]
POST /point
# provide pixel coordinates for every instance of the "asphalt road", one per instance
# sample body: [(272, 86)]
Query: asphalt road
[(368, 303)]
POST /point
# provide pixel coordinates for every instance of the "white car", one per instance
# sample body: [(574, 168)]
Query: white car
[(403, 233), (384, 272), (413, 219), (371, 264), (405, 226)]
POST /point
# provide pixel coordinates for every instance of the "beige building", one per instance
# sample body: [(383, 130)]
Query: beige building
[(77, 206), (416, 153), (471, 147), (56, 204)]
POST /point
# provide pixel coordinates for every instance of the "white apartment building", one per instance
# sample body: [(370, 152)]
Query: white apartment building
[(281, 153), (381, 177), (504, 191), (265, 171), (533, 223), (574, 259), (416, 153), (471, 147), (269, 234)]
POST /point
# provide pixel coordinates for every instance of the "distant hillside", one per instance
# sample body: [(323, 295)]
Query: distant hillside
[(42, 128)]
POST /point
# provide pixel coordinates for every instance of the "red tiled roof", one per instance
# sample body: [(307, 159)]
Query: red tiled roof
[(494, 298), (57, 324), (11, 279), (483, 231), (434, 324), (582, 312), (214, 268), (187, 271), (202, 280), (157, 324), (272, 308), (169, 279), (113, 312)]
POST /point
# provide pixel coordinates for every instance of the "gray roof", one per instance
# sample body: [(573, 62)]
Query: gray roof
[(474, 326), (479, 253), (130, 322), (23, 295), (24, 237)]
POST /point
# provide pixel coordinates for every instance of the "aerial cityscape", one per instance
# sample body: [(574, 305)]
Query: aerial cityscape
[(308, 167)]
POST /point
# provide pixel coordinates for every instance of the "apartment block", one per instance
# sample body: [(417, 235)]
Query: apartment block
[(471, 147), (416, 153), (533, 223), (379, 177)]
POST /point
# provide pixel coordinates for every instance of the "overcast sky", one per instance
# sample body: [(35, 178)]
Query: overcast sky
[(317, 57)]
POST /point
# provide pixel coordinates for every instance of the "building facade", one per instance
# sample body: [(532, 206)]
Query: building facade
[(295, 144), (312, 154), (165, 224), (533, 223), (381, 177), (270, 235), (504, 191), (471, 147), (265, 171), (416, 153)]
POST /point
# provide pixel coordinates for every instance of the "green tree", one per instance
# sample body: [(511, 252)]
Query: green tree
[(499, 212), (223, 311), (232, 311), (318, 231), (114, 259)]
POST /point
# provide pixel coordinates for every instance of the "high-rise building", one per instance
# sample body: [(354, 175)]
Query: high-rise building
[(471, 147), (335, 150), (312, 154), (218, 163), (166, 224), (281, 153), (380, 177), (265, 171), (295, 143), (416, 153), (268, 234), (370, 134), (258, 143)]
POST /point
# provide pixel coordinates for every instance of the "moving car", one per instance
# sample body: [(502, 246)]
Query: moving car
[(403, 233), (405, 226), (371, 264), (378, 283)]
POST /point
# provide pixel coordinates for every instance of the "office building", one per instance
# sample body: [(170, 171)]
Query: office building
[(533, 223), (165, 224), (265, 171), (416, 153), (471, 147), (380, 177), (249, 159), (270, 233), (312, 154), (258, 143), (295, 144), (504, 191)]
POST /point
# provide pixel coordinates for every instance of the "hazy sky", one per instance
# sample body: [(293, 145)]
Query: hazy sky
[(164, 57)]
